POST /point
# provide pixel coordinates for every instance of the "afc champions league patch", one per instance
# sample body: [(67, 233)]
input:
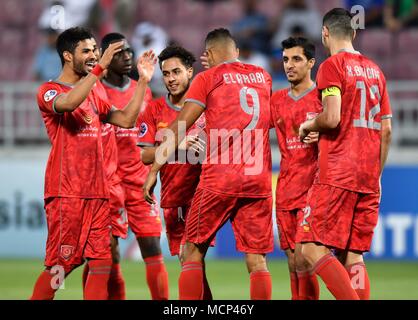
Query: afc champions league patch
[(49, 95), (67, 251), (143, 129)]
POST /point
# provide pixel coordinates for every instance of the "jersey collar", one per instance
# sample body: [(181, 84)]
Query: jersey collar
[(170, 104), (124, 88), (307, 91)]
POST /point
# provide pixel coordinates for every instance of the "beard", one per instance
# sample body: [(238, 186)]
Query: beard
[(182, 92), (80, 68)]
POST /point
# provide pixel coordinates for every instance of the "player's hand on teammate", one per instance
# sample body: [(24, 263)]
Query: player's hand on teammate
[(146, 65), (107, 56), (303, 130), (149, 186), (192, 142), (312, 137)]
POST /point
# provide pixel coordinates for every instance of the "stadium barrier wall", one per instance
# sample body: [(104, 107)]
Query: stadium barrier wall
[(23, 228)]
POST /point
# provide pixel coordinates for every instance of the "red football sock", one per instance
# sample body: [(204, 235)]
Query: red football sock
[(116, 284), (207, 293), (308, 286), (260, 285), (85, 274), (97, 279), (335, 277), (294, 287), (359, 279), (43, 289), (191, 281), (157, 277)]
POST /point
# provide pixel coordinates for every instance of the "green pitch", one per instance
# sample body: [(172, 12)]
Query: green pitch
[(228, 280)]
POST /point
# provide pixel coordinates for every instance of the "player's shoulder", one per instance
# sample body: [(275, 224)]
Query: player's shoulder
[(280, 94), (49, 90)]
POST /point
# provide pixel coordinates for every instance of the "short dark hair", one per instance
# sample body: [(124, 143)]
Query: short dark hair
[(110, 38), (338, 22), (69, 39), (307, 46), (219, 34), (174, 51)]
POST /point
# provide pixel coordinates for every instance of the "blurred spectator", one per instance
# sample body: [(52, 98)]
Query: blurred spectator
[(253, 27), (250, 56), (297, 13), (400, 14), (149, 36), (47, 63), (373, 10)]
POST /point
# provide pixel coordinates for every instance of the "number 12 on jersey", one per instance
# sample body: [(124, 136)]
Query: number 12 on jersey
[(374, 94)]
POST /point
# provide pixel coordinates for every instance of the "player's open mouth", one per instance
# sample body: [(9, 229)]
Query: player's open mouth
[(173, 87), (91, 64)]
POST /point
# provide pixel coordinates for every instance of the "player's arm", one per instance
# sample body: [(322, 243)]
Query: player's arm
[(386, 138), (186, 118), (329, 118), (148, 155), (126, 118), (68, 102)]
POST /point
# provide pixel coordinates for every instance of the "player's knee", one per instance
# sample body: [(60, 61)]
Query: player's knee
[(291, 260), (256, 262), (191, 253), (300, 262), (149, 246)]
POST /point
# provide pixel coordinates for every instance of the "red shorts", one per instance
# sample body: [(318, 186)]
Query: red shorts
[(339, 218), (287, 222), (118, 212), (175, 224), (143, 218), (77, 229), (251, 220)]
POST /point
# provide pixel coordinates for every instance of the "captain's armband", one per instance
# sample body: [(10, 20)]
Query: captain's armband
[(331, 91)]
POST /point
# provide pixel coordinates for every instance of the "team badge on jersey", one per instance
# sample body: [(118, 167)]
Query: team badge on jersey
[(67, 251), (143, 129), (49, 95)]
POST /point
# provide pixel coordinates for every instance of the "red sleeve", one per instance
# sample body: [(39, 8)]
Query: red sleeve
[(198, 90), (102, 101), (147, 126), (47, 94), (329, 75)]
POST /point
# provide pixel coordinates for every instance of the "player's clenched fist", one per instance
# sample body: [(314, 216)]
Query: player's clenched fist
[(146, 65), (109, 53), (149, 185)]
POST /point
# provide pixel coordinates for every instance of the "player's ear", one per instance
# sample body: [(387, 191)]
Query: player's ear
[(237, 52), (68, 57), (190, 73), (354, 34), (311, 62)]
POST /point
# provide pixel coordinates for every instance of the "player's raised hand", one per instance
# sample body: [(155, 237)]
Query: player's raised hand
[(312, 137), (204, 60), (107, 56), (149, 185), (192, 142), (146, 65)]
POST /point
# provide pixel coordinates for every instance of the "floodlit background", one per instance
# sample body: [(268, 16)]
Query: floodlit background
[(28, 30)]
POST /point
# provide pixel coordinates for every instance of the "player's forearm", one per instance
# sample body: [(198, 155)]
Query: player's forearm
[(386, 138), (148, 155), (126, 118), (322, 123), (71, 100)]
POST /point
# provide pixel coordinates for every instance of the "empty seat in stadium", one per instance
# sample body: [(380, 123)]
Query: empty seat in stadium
[(376, 42), (408, 41)]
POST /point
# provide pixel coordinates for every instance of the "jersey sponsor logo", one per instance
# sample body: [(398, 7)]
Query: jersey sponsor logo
[(143, 129), (67, 251), (161, 125), (87, 118), (49, 95)]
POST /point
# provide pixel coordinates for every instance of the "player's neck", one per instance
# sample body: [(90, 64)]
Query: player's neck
[(298, 88), (68, 75), (117, 80), (340, 45), (177, 100)]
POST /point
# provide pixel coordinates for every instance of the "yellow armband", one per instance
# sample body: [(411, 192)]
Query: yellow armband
[(331, 91)]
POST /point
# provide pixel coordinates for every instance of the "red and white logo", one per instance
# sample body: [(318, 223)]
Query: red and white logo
[(67, 251)]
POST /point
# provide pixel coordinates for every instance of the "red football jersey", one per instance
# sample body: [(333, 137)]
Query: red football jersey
[(236, 99), (131, 169), (110, 148), (298, 160), (349, 156), (75, 166), (178, 180)]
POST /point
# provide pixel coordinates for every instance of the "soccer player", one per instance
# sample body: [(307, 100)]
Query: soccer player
[(178, 180), (290, 107), (76, 191), (235, 183), (143, 218), (355, 129)]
